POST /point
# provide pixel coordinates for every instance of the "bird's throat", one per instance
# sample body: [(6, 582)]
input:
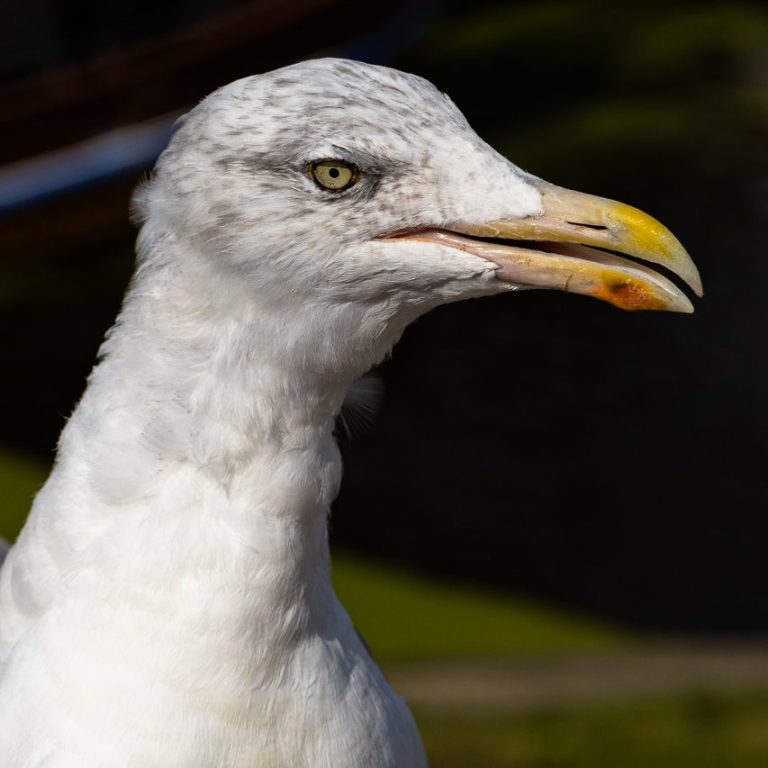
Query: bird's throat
[(204, 467)]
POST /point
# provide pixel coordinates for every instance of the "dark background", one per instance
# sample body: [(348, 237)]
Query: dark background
[(541, 443)]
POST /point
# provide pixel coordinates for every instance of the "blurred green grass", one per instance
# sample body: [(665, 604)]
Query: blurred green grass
[(21, 478), (406, 618), (693, 730)]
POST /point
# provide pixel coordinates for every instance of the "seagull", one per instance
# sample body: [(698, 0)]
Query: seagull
[(169, 600)]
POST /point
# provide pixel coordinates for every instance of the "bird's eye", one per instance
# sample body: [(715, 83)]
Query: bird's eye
[(334, 175)]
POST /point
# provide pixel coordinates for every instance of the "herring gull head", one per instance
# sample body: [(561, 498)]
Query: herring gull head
[(332, 183)]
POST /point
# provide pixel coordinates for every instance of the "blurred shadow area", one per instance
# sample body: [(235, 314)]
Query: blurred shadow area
[(549, 444)]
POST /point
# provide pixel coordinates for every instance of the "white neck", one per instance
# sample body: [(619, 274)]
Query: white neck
[(205, 437), (233, 405), (183, 535)]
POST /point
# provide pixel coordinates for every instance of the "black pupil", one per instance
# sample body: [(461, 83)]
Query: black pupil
[(334, 173)]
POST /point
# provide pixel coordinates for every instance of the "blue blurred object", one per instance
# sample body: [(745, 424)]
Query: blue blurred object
[(98, 159)]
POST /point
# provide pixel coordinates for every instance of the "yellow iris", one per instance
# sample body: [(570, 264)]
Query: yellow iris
[(334, 175)]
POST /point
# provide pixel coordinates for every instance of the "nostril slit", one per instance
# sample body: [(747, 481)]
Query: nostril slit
[(587, 226)]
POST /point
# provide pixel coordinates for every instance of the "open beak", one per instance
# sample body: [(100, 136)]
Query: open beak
[(569, 248)]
